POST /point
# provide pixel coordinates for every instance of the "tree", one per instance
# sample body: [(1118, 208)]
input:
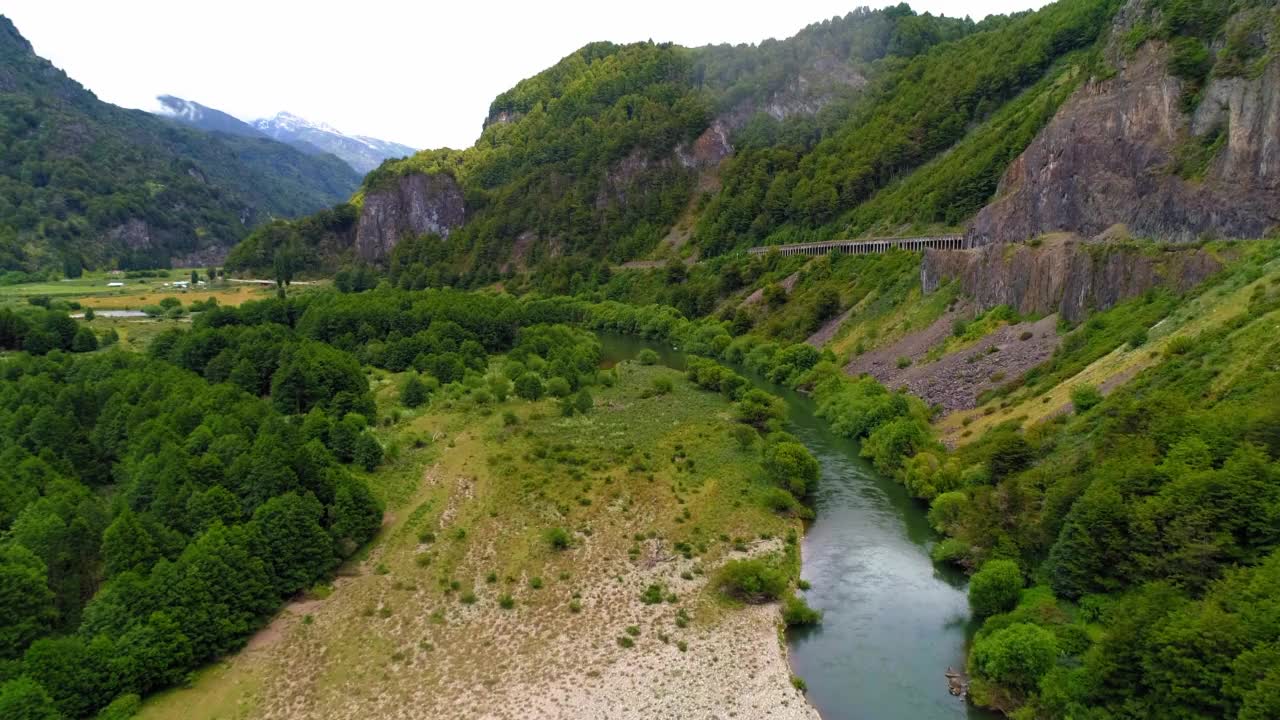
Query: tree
[(1016, 656), (529, 386), (791, 466), (195, 277), (25, 699), (558, 387), (995, 588), (89, 315), (354, 516), (414, 392), (126, 545), (745, 435), (368, 452), (296, 550), (583, 402), (26, 602), (85, 341)]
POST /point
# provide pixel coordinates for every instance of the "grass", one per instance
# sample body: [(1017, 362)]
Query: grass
[(659, 468), (1116, 359)]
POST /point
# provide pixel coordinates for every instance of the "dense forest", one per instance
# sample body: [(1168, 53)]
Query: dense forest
[(85, 184)]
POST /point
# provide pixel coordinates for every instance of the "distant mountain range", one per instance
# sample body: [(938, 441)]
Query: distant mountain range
[(362, 153), (87, 184)]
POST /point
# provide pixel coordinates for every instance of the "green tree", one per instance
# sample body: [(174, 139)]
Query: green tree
[(529, 386), (791, 466), (26, 602), (414, 393), (24, 699), (127, 544), (368, 452), (1016, 656), (355, 515), (583, 402), (296, 549), (995, 588)]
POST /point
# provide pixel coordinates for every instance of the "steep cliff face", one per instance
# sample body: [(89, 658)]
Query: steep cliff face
[(1116, 153), (414, 204), (1066, 276)]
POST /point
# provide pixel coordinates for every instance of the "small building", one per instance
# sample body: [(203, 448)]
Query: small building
[(115, 284)]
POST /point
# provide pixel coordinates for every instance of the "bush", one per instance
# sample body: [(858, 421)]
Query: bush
[(558, 387), (558, 538), (529, 386), (1085, 398), (647, 357), (995, 588), (745, 435), (796, 612), (662, 385), (506, 602), (1016, 656), (904, 362), (791, 466), (1138, 338), (414, 392), (754, 580)]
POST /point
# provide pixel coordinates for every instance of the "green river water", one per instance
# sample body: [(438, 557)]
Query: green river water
[(893, 621)]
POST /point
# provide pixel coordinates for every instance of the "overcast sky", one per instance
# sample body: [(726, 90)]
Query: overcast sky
[(421, 73)]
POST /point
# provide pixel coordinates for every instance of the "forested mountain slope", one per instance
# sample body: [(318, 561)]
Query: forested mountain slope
[(86, 184), (1086, 114)]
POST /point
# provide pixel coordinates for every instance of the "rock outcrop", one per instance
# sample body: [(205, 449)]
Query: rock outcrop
[(1062, 275), (1110, 156), (414, 205)]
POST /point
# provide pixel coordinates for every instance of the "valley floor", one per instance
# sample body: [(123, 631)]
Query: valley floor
[(462, 609)]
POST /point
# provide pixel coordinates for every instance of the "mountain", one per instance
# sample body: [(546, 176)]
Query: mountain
[(84, 183), (1082, 117), (362, 153), (205, 118)]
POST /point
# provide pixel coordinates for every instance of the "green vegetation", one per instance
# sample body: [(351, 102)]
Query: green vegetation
[(85, 184)]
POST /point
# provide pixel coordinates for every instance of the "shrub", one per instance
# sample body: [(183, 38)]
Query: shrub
[(745, 435), (652, 595), (626, 642), (995, 588), (506, 602), (791, 466), (904, 362), (1085, 398), (583, 402), (753, 580), (662, 385), (647, 357), (558, 538), (1138, 338), (529, 386), (414, 392), (558, 387), (796, 612), (1016, 656)]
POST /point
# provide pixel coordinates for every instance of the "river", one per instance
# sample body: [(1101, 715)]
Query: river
[(893, 621)]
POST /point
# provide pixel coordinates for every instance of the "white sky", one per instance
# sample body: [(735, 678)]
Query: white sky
[(421, 73)]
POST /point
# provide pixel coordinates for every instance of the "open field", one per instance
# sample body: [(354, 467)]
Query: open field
[(462, 608)]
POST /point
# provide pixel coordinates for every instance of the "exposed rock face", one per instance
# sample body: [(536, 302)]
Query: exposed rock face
[(1064, 276), (708, 149), (415, 205), (1109, 154)]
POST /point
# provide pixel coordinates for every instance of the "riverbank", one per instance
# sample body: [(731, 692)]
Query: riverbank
[(462, 608)]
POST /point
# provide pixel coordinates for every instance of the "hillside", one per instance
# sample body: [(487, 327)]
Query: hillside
[(858, 125), (85, 184)]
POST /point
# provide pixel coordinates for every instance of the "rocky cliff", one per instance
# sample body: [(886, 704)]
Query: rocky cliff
[(414, 204), (1117, 153), (1064, 275)]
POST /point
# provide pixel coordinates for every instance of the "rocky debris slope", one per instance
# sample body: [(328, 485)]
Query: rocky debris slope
[(955, 380), (1116, 153), (414, 205), (1064, 275)]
